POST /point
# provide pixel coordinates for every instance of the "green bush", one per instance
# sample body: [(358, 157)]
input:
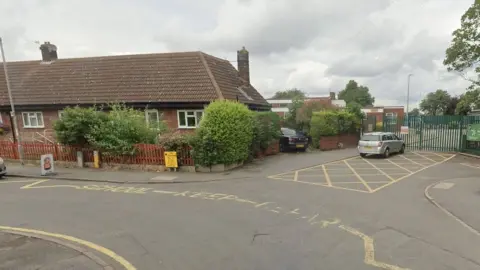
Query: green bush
[(379, 126), (331, 123), (266, 130), (76, 123), (124, 127), (225, 134)]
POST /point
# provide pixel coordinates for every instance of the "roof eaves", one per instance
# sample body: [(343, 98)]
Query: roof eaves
[(210, 75)]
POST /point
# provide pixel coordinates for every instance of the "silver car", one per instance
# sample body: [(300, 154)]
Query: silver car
[(380, 143)]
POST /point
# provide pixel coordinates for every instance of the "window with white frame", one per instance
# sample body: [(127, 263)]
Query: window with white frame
[(189, 118), (1, 120), (32, 119), (391, 117), (152, 117)]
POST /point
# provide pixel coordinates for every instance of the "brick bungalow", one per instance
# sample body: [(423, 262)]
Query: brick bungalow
[(173, 87)]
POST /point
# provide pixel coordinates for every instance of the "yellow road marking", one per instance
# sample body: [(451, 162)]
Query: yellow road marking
[(327, 177), (410, 174), (471, 166), (369, 182), (423, 165), (370, 250), (358, 176), (16, 181), (33, 185), (312, 167), (105, 251), (437, 155), (424, 157), (295, 178), (335, 187), (399, 166), (382, 172)]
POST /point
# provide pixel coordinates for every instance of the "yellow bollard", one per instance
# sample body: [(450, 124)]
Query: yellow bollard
[(96, 160)]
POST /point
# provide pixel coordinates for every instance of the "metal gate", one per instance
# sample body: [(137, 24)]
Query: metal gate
[(430, 133)]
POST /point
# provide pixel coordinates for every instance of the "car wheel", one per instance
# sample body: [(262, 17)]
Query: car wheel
[(402, 150), (386, 154), (363, 154)]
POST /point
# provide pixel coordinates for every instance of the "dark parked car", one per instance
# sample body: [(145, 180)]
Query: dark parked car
[(292, 140)]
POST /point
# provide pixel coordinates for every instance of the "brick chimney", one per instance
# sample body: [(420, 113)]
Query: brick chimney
[(243, 65), (332, 95), (49, 52)]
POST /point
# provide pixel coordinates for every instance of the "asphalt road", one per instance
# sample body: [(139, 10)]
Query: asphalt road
[(260, 222)]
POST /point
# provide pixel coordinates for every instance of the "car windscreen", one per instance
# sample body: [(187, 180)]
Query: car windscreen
[(370, 138), (288, 132)]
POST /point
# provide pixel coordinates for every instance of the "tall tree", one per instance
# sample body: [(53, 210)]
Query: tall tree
[(452, 105), (289, 94), (435, 103), (305, 112), (356, 93), (356, 109), (414, 112), (468, 102), (464, 51)]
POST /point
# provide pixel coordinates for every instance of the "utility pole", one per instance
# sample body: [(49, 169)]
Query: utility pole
[(408, 97), (13, 114)]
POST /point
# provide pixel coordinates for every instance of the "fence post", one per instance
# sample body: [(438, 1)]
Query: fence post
[(422, 121), (15, 150), (460, 139)]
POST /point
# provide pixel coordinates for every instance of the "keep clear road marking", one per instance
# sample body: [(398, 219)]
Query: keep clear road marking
[(382, 172), (358, 176), (410, 174), (399, 166), (271, 207), (126, 264), (413, 161), (424, 157)]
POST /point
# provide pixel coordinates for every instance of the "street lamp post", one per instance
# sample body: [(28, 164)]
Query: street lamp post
[(408, 97), (14, 115)]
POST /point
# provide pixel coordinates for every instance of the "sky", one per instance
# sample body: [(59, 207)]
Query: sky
[(314, 45)]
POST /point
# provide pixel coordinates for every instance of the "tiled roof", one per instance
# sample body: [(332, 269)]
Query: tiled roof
[(165, 77)]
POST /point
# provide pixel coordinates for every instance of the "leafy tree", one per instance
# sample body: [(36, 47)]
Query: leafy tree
[(464, 51), (355, 109), (76, 124), (435, 103), (414, 112), (452, 105), (357, 93), (291, 119), (304, 113), (289, 94), (468, 102)]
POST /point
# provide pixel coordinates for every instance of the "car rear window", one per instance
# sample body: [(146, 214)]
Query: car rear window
[(288, 132), (370, 138)]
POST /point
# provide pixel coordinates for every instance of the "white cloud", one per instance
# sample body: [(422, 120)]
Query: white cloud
[(314, 45)]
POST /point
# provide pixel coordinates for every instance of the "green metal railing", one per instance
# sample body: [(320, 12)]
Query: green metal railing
[(429, 133)]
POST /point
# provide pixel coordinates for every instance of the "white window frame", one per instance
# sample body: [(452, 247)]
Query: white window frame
[(1, 118), (152, 111), (30, 116), (186, 120), (391, 114)]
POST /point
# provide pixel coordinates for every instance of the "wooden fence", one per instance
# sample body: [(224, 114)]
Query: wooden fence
[(145, 154)]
